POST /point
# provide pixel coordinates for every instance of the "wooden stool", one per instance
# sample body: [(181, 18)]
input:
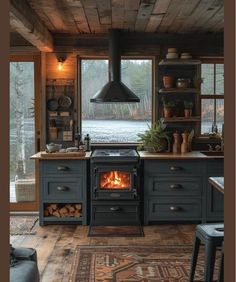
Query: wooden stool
[(212, 236)]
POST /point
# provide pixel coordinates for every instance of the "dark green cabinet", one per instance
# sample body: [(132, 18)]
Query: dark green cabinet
[(214, 199), (173, 190), (63, 183), (178, 190)]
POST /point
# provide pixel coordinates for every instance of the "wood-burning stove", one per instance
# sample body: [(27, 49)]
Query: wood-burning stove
[(115, 188)]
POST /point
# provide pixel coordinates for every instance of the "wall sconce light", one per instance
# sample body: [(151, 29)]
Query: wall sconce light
[(61, 60)]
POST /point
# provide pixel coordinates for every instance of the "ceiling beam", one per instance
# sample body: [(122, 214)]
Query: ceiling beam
[(27, 23)]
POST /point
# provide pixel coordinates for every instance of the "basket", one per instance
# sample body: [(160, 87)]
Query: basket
[(25, 190)]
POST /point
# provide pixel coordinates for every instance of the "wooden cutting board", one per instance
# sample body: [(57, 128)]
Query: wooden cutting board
[(58, 154)]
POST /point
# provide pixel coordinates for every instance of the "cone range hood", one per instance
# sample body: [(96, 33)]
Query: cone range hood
[(114, 91)]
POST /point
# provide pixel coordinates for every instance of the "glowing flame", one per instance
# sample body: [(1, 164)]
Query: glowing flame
[(115, 180)]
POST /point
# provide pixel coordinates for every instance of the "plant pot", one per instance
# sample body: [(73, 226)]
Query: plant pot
[(157, 149), (187, 113), (167, 112), (168, 81)]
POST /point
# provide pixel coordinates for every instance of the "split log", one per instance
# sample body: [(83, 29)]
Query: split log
[(67, 210)]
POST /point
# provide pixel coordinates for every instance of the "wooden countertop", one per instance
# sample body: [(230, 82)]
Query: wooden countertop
[(64, 156), (143, 155), (218, 183), (177, 156)]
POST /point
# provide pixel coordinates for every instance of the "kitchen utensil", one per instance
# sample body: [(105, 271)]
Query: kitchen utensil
[(65, 101), (52, 103), (183, 83), (52, 130)]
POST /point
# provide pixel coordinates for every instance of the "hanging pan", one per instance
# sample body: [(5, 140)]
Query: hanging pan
[(52, 104), (65, 101)]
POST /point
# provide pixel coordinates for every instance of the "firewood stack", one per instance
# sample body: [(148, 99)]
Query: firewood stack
[(59, 210)]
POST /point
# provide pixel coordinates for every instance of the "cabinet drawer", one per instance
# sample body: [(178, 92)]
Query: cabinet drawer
[(62, 189), (115, 214), (182, 209), (62, 167), (173, 167), (176, 186)]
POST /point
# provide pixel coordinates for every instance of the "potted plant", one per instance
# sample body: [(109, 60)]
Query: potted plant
[(155, 139), (168, 107), (188, 105)]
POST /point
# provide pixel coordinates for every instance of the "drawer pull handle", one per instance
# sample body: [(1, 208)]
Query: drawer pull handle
[(175, 168), (62, 188), (62, 168), (114, 209), (175, 208), (175, 186)]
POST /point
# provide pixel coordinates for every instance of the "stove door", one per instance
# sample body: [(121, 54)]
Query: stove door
[(115, 182)]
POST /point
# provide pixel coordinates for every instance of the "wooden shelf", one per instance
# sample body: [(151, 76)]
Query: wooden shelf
[(181, 119), (178, 90), (180, 62)]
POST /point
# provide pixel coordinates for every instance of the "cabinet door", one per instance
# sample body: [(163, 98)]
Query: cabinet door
[(215, 200)]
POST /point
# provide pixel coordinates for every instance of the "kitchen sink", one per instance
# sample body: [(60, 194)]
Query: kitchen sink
[(212, 153)]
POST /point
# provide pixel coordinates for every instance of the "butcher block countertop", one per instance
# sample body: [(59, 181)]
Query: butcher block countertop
[(176, 156), (61, 156), (143, 155)]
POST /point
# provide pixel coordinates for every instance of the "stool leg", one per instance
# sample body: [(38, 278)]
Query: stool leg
[(210, 253), (194, 258), (221, 273)]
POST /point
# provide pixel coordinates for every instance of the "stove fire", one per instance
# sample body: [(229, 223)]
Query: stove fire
[(115, 180)]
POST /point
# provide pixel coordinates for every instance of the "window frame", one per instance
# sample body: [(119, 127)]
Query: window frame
[(213, 96), (79, 91)]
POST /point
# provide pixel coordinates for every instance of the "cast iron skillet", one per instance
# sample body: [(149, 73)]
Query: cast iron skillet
[(52, 104), (64, 101)]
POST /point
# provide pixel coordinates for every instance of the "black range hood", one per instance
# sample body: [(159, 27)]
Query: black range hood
[(114, 91)]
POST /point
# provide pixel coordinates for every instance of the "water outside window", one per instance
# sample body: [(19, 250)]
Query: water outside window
[(22, 132), (116, 123)]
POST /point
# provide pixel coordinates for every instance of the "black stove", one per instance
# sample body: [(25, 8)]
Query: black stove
[(115, 187)]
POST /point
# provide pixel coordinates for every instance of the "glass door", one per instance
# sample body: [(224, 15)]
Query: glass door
[(23, 130)]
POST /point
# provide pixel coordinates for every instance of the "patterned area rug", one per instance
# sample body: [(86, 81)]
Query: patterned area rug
[(130, 264), (23, 225)]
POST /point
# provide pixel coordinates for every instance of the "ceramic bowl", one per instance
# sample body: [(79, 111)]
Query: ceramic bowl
[(52, 147)]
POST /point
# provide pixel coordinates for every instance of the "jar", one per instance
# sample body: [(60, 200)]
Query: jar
[(168, 81), (183, 83)]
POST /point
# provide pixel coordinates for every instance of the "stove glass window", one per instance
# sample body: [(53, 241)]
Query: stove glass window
[(115, 180)]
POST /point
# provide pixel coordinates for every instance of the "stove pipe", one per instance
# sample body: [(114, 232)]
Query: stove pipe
[(114, 91)]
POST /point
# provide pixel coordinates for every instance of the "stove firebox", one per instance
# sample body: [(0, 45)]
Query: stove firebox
[(115, 191)]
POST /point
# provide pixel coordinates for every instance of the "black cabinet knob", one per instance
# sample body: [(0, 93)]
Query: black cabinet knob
[(175, 208), (62, 188), (114, 209), (62, 168), (175, 168), (175, 186)]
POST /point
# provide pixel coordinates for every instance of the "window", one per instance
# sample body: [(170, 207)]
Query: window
[(116, 123), (23, 124), (212, 96)]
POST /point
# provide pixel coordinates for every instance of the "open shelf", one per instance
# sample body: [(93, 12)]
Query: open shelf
[(178, 90), (181, 119), (169, 62)]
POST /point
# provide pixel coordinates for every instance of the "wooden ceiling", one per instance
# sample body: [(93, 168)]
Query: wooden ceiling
[(44, 18), (97, 16)]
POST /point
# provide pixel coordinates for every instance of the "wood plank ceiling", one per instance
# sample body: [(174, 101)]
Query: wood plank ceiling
[(160, 16)]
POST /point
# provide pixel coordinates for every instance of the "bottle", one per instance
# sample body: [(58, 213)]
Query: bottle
[(87, 143), (77, 138), (177, 143), (184, 145)]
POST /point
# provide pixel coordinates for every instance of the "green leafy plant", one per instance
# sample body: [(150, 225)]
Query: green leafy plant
[(168, 104), (155, 139), (188, 104)]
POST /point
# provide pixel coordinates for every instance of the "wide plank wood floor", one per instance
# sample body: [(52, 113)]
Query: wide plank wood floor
[(56, 244)]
